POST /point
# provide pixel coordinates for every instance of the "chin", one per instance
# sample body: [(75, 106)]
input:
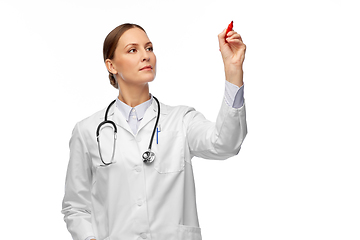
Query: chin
[(148, 79)]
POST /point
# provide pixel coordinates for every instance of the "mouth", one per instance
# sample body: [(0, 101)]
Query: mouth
[(148, 67)]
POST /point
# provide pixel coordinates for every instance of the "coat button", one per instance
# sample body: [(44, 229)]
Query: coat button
[(143, 236), (139, 202)]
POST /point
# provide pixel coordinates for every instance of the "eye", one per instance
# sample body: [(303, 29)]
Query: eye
[(150, 49), (132, 50)]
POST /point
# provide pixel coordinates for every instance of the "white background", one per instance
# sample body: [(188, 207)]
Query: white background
[(298, 173)]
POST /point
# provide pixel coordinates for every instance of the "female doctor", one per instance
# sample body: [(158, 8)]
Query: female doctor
[(130, 174)]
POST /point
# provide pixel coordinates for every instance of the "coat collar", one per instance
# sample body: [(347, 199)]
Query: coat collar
[(116, 116)]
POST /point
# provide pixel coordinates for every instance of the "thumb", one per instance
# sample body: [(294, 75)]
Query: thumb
[(221, 37)]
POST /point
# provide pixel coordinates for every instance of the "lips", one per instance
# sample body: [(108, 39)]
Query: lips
[(148, 67)]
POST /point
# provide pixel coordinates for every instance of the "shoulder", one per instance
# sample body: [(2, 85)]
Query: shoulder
[(91, 121), (175, 110)]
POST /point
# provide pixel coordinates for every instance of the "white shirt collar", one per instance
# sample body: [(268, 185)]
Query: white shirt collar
[(139, 112)]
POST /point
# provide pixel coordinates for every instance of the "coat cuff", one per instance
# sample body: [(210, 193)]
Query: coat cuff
[(234, 95)]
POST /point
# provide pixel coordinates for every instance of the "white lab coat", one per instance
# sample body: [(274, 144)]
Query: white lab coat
[(133, 200)]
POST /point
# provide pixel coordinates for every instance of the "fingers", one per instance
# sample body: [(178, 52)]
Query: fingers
[(233, 35), (235, 40), (237, 44)]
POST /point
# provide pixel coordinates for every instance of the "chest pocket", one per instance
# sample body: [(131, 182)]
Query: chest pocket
[(169, 152)]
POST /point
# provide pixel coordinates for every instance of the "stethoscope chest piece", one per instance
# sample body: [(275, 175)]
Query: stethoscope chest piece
[(148, 156)]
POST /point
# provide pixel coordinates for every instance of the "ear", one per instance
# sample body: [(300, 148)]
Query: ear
[(110, 67)]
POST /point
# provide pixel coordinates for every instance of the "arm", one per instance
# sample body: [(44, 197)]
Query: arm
[(77, 199), (219, 140), (224, 138)]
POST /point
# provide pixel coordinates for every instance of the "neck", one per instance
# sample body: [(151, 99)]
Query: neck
[(133, 95)]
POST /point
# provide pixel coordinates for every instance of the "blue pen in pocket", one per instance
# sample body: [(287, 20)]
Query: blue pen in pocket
[(158, 129)]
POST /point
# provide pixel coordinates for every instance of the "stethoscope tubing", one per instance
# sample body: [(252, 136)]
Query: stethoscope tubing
[(148, 156), (156, 124)]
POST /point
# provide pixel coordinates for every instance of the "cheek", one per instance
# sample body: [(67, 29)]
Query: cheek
[(154, 59), (127, 65)]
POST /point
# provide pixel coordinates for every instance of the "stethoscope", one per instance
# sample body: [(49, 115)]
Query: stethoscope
[(148, 156)]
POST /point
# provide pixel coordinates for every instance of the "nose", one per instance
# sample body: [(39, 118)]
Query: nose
[(146, 56)]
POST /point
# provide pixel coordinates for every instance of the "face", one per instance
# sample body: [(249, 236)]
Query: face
[(134, 61)]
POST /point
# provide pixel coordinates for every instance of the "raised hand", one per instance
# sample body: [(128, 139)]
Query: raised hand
[(233, 55)]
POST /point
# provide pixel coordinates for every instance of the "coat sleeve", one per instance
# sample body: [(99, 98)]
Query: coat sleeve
[(76, 205), (219, 140)]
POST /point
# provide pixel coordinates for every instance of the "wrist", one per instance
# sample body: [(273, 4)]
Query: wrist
[(234, 76)]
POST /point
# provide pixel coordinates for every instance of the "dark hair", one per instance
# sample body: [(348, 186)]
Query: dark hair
[(110, 44)]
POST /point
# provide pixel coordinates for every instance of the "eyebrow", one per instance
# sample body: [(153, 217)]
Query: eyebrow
[(137, 44)]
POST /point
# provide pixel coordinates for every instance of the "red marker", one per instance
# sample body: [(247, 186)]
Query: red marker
[(229, 28)]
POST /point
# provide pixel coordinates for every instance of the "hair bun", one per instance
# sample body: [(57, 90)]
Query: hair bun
[(113, 81)]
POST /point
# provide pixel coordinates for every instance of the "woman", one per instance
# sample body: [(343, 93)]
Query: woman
[(112, 193)]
